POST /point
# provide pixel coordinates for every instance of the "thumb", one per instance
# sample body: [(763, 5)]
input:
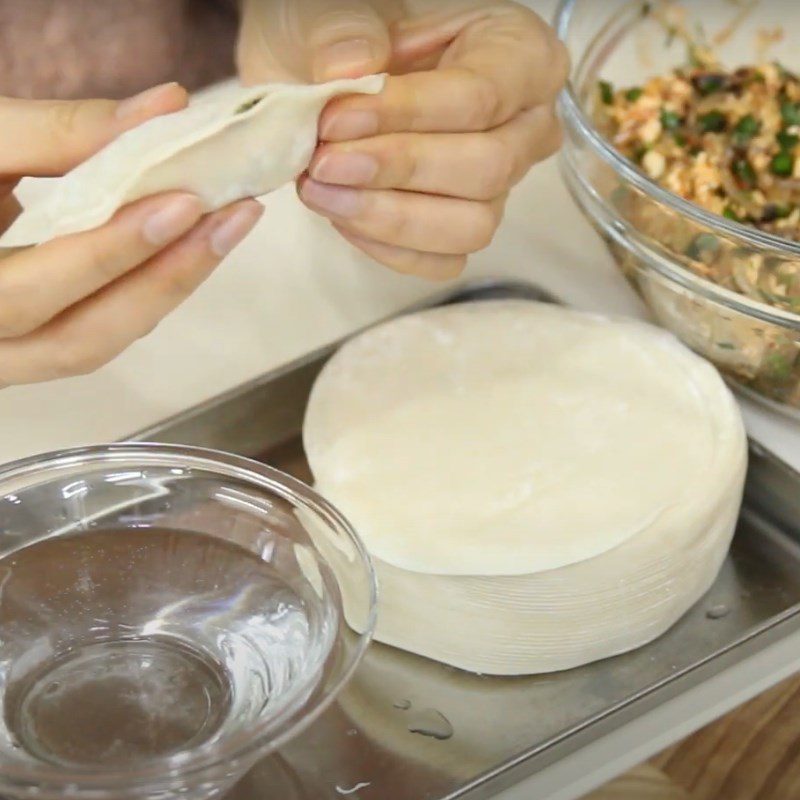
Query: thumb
[(49, 137), (345, 38)]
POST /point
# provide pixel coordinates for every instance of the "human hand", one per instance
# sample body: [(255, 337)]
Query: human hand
[(70, 305), (418, 176)]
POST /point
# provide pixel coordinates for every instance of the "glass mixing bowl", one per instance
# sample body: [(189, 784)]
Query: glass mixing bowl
[(168, 616), (661, 241)]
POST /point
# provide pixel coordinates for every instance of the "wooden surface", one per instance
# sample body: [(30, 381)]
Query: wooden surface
[(753, 753), (646, 782)]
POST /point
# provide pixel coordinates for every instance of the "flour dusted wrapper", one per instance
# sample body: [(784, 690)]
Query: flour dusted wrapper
[(538, 488), (239, 142)]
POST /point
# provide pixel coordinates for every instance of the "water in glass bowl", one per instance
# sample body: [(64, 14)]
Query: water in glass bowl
[(122, 646)]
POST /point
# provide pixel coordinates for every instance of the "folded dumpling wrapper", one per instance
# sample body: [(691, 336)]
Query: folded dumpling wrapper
[(238, 142), (538, 487)]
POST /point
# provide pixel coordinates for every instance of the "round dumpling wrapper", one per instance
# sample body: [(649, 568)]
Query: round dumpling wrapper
[(511, 437)]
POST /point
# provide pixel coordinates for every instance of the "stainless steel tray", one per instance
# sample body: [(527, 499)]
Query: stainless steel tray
[(504, 729)]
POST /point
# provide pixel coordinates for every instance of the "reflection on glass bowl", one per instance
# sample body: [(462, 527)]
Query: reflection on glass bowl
[(168, 616)]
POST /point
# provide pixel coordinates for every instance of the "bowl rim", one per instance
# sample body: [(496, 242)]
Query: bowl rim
[(235, 750), (572, 110)]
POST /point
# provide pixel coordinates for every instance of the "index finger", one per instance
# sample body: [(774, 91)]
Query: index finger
[(49, 137), (497, 66)]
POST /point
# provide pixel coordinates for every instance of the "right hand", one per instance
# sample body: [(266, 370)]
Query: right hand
[(70, 305), (416, 177)]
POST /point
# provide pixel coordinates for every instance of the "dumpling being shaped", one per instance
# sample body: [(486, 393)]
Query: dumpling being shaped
[(239, 142)]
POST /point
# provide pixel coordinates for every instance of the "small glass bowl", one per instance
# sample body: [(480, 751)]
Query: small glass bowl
[(662, 242), (168, 616)]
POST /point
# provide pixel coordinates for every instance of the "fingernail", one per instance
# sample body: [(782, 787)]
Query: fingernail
[(345, 169), (336, 200), (346, 59), (172, 219), (230, 232), (356, 124), (133, 106)]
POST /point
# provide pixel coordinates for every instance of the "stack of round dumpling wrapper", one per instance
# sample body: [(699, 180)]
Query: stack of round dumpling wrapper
[(538, 488)]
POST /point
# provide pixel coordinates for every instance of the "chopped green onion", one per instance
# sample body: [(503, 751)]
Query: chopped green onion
[(744, 173), (713, 122), (679, 138), (606, 92), (248, 104), (746, 128), (634, 94), (703, 243), (778, 366), (709, 83), (790, 112), (670, 120), (787, 141), (639, 153), (773, 211), (729, 213), (782, 164)]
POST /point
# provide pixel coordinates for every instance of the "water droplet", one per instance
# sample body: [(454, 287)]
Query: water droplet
[(430, 722), (718, 611), (354, 789), (402, 705), (352, 732)]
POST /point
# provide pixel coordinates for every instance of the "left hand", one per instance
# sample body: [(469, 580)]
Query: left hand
[(73, 303), (418, 176)]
